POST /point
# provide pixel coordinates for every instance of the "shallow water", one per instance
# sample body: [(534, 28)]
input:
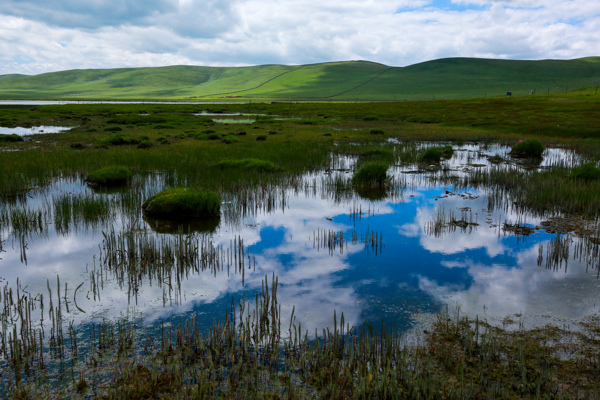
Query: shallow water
[(424, 247), (34, 130)]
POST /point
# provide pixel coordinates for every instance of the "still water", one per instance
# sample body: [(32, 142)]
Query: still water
[(400, 259)]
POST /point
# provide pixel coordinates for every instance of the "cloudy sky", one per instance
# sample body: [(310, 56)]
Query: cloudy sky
[(49, 35)]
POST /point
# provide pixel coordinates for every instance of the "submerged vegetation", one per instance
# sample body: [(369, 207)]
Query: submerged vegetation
[(167, 236)]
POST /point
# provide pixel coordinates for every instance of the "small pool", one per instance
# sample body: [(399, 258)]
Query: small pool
[(34, 130)]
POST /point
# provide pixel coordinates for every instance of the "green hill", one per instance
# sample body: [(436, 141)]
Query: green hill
[(353, 80)]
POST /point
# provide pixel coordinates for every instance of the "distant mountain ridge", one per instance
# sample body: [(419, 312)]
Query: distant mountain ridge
[(348, 80)]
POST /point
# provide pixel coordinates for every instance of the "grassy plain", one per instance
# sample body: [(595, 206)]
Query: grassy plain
[(451, 78), (459, 358)]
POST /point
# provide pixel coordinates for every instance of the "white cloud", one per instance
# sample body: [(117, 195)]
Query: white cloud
[(243, 32)]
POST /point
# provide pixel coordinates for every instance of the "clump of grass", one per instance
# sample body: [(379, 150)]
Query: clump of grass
[(230, 139), (118, 140), (371, 173), (435, 154), (587, 172), (432, 154), (163, 126), (447, 151), (10, 138), (377, 132), (182, 203), (213, 136), (248, 164), (241, 133), (261, 137), (113, 129), (528, 148), (370, 119), (77, 146), (109, 176), (145, 144), (162, 140)]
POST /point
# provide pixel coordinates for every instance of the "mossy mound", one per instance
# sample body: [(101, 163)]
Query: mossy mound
[(435, 154), (145, 144), (432, 154), (587, 172), (109, 176), (528, 148), (374, 173), (248, 164), (117, 140), (13, 137), (183, 203)]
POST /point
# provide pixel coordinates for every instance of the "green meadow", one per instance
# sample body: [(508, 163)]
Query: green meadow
[(451, 78)]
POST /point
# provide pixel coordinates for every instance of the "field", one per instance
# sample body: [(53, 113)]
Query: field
[(266, 161), (452, 78)]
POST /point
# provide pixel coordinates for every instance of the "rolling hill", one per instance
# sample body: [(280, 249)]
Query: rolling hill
[(450, 78)]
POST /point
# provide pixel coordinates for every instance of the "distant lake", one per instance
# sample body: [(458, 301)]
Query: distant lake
[(61, 102)]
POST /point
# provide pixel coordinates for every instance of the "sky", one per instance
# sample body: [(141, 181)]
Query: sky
[(38, 36)]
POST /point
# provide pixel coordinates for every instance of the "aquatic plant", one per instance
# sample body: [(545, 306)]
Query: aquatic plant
[(371, 173), (432, 154), (528, 148), (109, 176), (435, 154), (588, 172), (248, 164), (180, 203)]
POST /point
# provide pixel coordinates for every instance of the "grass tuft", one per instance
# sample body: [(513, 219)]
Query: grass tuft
[(528, 148), (371, 173), (10, 138), (586, 172), (248, 164), (181, 203), (109, 176)]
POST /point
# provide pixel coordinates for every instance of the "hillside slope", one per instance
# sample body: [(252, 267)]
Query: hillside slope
[(352, 80)]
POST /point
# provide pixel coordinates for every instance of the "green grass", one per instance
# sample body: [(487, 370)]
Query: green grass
[(587, 172), (10, 138), (372, 173), (528, 148), (450, 78), (248, 164), (109, 176), (183, 203)]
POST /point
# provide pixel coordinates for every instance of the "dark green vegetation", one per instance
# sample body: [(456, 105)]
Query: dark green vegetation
[(11, 138), (449, 78), (373, 173), (528, 148), (435, 154), (183, 203), (244, 357), (587, 172), (248, 164), (109, 176)]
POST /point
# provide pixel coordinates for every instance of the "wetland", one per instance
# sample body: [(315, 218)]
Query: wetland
[(472, 273)]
